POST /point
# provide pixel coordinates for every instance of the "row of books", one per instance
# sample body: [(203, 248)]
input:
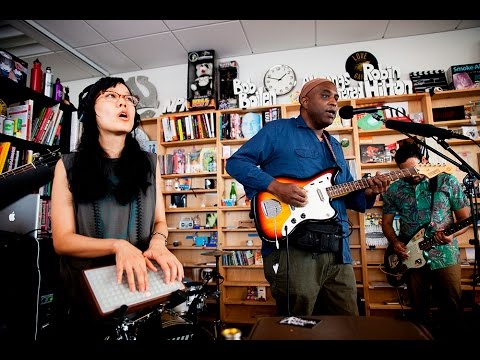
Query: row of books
[(199, 126), (195, 161), (245, 126), (12, 157), (44, 128), (45, 222), (243, 257)]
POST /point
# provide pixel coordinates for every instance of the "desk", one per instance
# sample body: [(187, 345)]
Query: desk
[(340, 328)]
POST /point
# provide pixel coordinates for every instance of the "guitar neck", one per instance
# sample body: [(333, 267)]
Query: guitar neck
[(343, 189), (46, 160), (458, 226), (429, 242), (17, 171)]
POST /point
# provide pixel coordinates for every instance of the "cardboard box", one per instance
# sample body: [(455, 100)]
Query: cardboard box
[(463, 76), (13, 67)]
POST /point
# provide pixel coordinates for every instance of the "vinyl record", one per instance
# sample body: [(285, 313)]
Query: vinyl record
[(354, 64)]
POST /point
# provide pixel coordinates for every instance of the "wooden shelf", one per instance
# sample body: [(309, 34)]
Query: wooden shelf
[(233, 307), (246, 283), (184, 143), (249, 302), (382, 306), (186, 175)]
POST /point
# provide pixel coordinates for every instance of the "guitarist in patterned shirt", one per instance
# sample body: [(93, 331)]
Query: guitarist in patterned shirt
[(440, 278)]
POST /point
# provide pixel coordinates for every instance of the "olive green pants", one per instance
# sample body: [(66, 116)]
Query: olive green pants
[(317, 284)]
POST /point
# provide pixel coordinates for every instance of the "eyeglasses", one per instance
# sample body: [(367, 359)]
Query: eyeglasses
[(113, 96)]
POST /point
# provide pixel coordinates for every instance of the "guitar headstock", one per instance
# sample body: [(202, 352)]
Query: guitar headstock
[(432, 170), (48, 159)]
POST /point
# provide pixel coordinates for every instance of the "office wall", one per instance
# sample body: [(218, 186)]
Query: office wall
[(413, 53)]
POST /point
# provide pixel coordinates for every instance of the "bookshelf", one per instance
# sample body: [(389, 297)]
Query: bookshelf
[(236, 232), (12, 92)]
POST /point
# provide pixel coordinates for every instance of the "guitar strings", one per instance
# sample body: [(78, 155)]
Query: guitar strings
[(44, 160)]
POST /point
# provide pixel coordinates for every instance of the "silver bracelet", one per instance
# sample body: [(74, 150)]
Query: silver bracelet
[(159, 233)]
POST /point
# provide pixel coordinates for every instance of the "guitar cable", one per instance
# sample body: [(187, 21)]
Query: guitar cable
[(400, 302), (288, 272)]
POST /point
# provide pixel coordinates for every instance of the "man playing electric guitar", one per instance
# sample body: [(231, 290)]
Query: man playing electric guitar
[(439, 202), (304, 281)]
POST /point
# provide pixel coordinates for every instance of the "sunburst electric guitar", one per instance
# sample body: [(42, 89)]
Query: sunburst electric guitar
[(417, 247), (275, 219)]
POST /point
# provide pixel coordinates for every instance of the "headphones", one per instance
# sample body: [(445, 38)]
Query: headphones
[(85, 112)]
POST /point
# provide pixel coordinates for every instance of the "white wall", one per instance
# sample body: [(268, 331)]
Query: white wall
[(414, 53)]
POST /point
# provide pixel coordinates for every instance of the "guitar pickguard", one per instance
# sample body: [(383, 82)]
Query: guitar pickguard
[(416, 258), (318, 207)]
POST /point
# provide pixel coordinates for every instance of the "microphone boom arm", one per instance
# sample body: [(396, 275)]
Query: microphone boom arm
[(443, 143)]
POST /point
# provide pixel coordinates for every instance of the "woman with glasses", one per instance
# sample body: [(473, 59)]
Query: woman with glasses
[(107, 207)]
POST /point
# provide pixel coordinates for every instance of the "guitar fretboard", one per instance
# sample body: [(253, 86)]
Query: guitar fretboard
[(427, 243), (46, 160), (343, 189)]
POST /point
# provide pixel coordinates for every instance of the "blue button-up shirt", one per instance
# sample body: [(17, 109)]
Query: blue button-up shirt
[(289, 148)]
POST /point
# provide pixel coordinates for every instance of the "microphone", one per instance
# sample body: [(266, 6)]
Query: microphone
[(347, 112), (425, 130)]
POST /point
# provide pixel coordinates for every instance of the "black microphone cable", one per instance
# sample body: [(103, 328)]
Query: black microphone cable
[(288, 271)]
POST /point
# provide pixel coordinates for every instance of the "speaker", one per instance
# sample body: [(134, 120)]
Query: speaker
[(26, 309)]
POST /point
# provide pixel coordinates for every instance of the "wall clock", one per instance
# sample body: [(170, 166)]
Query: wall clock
[(280, 78)]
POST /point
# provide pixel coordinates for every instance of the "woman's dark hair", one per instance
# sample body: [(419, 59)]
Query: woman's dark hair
[(89, 178), (406, 151)]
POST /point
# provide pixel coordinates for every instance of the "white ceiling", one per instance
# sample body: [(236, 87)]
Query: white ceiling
[(82, 49)]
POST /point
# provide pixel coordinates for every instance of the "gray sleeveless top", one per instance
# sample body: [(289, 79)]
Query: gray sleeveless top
[(108, 219)]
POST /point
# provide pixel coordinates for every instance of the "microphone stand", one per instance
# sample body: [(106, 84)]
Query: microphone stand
[(471, 191)]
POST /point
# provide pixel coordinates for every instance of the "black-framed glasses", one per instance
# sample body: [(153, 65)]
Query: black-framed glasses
[(113, 96)]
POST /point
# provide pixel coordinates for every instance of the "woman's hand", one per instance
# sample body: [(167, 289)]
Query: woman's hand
[(170, 265), (129, 259)]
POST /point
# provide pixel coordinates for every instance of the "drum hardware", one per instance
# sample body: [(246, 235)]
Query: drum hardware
[(126, 328), (218, 280), (173, 324)]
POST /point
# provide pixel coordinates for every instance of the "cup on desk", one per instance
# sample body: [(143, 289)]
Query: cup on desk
[(196, 274), (207, 274), (346, 122)]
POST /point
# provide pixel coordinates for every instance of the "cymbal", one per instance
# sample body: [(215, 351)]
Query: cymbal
[(217, 253)]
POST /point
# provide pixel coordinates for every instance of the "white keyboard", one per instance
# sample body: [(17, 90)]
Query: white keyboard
[(109, 296)]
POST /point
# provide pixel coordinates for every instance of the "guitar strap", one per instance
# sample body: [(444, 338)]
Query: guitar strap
[(325, 138), (432, 186)]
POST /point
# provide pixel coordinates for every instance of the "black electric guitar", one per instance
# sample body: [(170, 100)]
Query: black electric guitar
[(27, 178), (275, 219), (47, 159), (396, 267)]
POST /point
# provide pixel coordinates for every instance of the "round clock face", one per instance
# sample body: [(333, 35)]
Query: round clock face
[(280, 79)]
